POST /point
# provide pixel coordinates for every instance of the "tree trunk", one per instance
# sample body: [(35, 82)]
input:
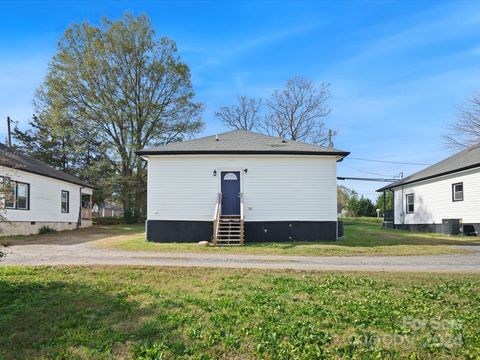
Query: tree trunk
[(126, 190), (139, 186)]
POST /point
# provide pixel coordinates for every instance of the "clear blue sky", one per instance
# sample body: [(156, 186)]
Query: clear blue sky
[(398, 70)]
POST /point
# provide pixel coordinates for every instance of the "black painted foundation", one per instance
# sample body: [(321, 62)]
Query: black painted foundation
[(168, 231)]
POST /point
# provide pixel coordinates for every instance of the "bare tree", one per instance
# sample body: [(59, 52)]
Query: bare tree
[(465, 131), (297, 111), (242, 116)]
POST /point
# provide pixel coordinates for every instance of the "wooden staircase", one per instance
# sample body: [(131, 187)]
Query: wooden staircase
[(228, 230)]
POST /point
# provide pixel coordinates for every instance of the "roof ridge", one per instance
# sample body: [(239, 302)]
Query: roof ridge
[(249, 137)]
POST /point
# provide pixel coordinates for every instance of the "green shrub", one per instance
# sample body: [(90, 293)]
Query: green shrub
[(108, 220), (46, 230), (5, 242), (131, 215)]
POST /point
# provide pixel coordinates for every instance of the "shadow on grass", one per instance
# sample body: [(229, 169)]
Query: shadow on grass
[(57, 320), (78, 236)]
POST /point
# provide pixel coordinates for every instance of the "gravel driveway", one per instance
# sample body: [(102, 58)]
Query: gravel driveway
[(86, 253)]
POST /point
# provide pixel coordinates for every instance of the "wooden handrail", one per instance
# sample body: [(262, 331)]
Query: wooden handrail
[(241, 206), (241, 220), (216, 217)]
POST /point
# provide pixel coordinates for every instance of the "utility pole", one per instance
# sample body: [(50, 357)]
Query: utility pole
[(330, 135), (9, 131)]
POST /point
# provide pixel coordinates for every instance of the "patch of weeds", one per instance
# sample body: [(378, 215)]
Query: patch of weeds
[(44, 230)]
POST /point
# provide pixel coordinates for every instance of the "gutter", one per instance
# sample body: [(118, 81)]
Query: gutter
[(241, 152)]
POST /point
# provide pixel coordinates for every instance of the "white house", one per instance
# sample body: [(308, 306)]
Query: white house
[(35, 195), (240, 186), (440, 198)]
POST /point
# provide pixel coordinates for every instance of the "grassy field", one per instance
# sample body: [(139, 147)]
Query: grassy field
[(164, 313), (360, 239)]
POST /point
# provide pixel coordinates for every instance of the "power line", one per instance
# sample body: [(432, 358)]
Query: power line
[(388, 162), (366, 179), (366, 172)]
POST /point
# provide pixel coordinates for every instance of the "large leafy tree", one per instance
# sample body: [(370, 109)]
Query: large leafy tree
[(343, 195), (123, 88), (385, 201), (56, 142)]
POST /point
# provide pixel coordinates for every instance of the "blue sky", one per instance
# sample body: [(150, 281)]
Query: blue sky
[(398, 70)]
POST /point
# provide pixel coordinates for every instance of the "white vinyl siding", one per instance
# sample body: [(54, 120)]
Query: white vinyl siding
[(275, 188), (433, 199), (45, 198)]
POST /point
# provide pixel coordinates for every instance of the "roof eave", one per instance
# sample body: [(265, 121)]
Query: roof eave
[(79, 182), (342, 154)]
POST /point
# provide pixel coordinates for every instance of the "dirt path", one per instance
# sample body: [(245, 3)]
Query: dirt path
[(86, 253)]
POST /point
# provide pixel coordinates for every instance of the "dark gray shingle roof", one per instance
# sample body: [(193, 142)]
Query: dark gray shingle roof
[(241, 142), (466, 159), (12, 158)]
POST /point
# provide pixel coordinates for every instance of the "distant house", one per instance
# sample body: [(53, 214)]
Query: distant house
[(241, 186), (107, 210), (38, 195), (441, 198)]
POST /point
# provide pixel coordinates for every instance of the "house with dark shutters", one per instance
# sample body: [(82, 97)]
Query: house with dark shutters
[(241, 186), (443, 198), (36, 195)]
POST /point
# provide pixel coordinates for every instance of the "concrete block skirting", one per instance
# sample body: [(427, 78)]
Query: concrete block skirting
[(255, 231), (29, 228)]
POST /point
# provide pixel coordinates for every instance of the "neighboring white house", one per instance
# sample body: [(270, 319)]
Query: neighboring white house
[(37, 195), (271, 190), (440, 198)]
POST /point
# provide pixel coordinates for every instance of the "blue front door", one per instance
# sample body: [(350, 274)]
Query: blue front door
[(230, 187)]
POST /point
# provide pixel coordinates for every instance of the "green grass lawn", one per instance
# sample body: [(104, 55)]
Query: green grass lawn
[(166, 313), (362, 238)]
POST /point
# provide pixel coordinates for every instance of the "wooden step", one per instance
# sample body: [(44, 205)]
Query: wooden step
[(230, 231)]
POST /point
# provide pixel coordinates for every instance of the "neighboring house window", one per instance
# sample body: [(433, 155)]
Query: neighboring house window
[(457, 192), (410, 204), (17, 195), (65, 201), (23, 193)]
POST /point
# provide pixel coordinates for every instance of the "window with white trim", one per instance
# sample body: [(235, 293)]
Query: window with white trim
[(17, 194), (65, 201), (457, 192), (410, 203)]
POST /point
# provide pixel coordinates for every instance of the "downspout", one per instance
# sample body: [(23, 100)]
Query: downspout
[(393, 206)]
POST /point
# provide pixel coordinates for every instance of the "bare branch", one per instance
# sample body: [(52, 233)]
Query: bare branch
[(242, 116), (465, 132), (297, 111)]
